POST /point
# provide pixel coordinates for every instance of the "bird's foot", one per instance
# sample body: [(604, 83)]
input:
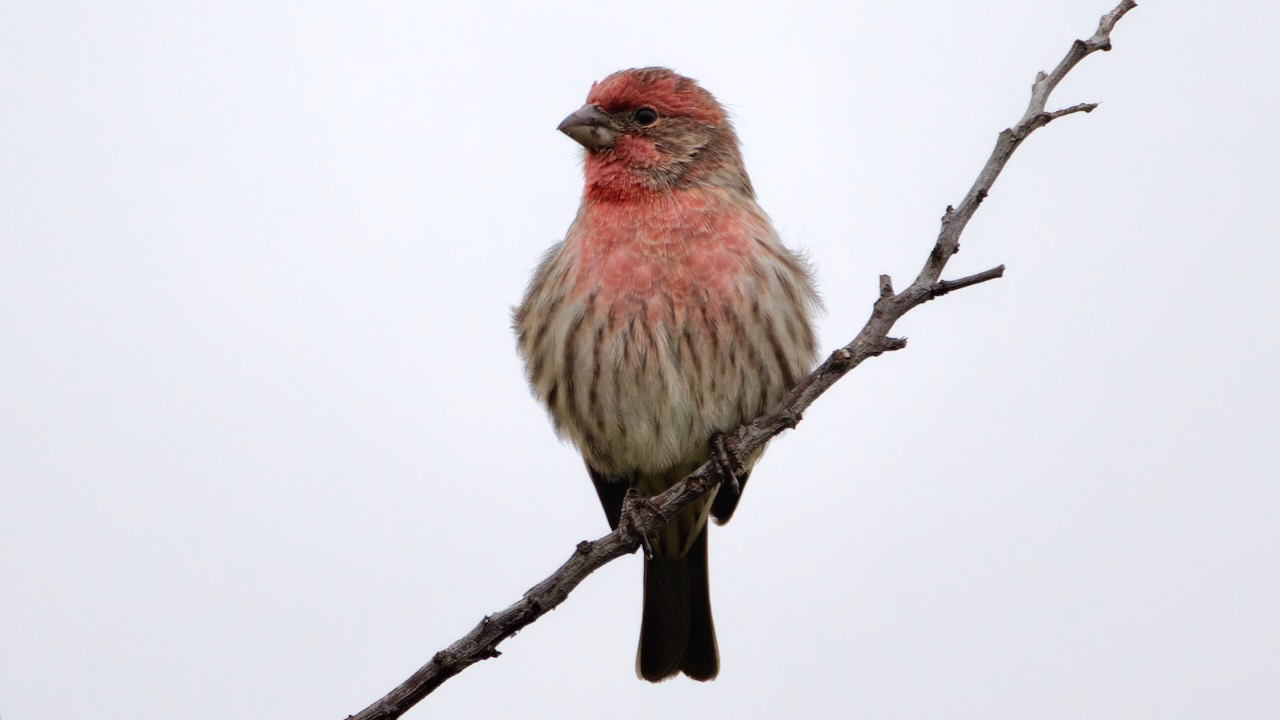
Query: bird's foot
[(724, 463), (636, 510)]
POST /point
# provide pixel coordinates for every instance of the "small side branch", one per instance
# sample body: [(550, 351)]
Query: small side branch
[(942, 287)]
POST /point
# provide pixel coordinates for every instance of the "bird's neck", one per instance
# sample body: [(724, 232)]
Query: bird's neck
[(683, 252)]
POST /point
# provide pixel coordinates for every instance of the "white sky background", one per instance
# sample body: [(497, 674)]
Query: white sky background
[(266, 445)]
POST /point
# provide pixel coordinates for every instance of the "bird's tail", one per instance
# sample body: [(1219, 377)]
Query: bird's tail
[(677, 634)]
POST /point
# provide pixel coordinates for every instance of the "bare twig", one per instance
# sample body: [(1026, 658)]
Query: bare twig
[(482, 642)]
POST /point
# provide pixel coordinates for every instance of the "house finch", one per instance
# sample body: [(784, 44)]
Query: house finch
[(670, 313)]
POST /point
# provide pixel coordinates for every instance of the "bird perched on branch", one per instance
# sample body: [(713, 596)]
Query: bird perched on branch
[(669, 314)]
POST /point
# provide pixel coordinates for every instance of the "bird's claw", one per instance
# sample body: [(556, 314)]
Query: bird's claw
[(724, 463), (636, 509)]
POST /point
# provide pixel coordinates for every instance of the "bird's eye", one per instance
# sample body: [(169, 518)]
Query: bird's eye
[(646, 115)]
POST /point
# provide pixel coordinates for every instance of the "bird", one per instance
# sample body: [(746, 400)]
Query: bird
[(670, 314)]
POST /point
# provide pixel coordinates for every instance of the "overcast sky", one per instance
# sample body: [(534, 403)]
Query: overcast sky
[(266, 444)]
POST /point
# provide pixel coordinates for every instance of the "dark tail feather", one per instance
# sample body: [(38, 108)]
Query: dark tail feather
[(677, 634)]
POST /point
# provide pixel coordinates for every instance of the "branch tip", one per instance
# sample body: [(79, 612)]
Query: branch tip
[(886, 286)]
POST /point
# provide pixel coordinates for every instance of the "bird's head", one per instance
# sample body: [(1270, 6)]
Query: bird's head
[(652, 130)]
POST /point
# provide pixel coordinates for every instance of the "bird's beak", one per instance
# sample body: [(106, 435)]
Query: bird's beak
[(590, 127)]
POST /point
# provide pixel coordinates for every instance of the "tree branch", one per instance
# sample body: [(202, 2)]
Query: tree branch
[(482, 642)]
